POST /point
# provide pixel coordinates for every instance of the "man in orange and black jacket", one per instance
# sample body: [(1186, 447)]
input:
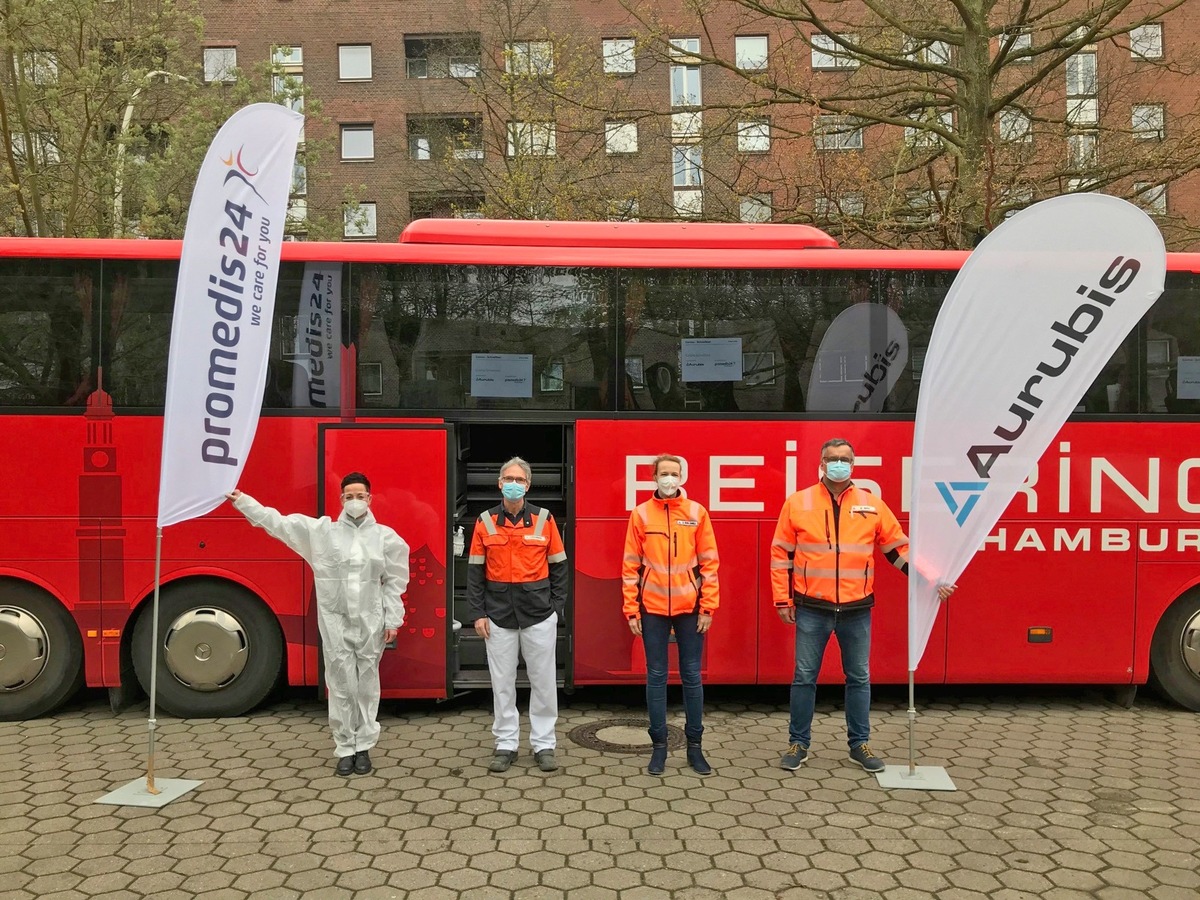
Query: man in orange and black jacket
[(669, 581), (823, 582)]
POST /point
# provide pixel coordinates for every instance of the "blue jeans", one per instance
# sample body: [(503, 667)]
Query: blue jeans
[(853, 630), (656, 630)]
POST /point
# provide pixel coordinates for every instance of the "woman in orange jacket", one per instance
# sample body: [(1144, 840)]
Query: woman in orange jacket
[(669, 582)]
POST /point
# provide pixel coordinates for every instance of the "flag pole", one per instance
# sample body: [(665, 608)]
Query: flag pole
[(912, 724), (151, 723)]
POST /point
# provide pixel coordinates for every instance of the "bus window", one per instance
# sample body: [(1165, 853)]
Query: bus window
[(418, 330), (47, 331), (1173, 348), (139, 296)]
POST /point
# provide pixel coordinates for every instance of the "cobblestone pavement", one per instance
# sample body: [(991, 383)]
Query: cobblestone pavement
[(1061, 794)]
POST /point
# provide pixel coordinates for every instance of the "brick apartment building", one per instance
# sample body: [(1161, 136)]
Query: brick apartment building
[(586, 110)]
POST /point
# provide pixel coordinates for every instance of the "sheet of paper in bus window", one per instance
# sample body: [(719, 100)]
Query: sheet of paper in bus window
[(502, 375), (1188, 385), (711, 359)]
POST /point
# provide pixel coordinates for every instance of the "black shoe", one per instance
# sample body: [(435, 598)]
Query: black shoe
[(345, 766), (502, 760), (545, 760), (362, 763), (696, 759), (658, 759)]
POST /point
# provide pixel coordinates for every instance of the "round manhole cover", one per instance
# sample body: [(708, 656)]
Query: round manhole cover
[(621, 736)]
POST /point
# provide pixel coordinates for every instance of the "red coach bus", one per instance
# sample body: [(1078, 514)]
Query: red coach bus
[(469, 342)]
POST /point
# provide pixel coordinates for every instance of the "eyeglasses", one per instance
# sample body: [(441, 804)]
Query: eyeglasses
[(513, 479), (829, 459), (355, 496)]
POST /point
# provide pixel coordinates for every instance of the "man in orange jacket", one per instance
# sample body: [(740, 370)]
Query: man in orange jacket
[(669, 582), (823, 582)]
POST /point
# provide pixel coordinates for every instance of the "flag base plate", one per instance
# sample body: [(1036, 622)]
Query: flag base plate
[(926, 778), (135, 793)]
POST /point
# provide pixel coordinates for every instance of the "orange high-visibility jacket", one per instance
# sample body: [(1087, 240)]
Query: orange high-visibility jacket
[(517, 571), (670, 564), (829, 549)]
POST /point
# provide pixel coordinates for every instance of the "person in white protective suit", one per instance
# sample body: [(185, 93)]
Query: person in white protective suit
[(361, 571)]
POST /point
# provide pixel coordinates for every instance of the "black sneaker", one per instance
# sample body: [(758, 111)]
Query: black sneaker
[(864, 757), (362, 763), (345, 766), (546, 761), (502, 760), (796, 756)]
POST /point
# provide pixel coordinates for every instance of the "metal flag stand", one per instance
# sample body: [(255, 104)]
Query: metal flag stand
[(914, 777), (148, 793)]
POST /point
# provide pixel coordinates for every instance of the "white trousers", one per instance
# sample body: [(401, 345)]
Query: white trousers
[(352, 651), (537, 644)]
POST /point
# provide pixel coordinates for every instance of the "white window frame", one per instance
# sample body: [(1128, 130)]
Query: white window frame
[(687, 126), (754, 136), (1016, 125), (624, 209), (1149, 121), (922, 138), (350, 62), (1146, 41), (689, 203), (1021, 41), (1081, 75), (219, 65), (687, 166), (834, 133), (288, 57), (361, 222), (851, 203), (619, 56), (620, 138), (1151, 197), (529, 59), (532, 139), (41, 66), (757, 208), (364, 132), (1083, 149), (751, 52), (828, 55)]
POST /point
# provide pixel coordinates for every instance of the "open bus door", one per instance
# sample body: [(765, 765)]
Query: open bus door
[(412, 492)]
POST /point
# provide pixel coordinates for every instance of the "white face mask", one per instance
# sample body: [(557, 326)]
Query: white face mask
[(356, 509), (668, 485)]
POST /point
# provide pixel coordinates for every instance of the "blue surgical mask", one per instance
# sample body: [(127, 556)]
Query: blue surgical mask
[(512, 491), (838, 470)]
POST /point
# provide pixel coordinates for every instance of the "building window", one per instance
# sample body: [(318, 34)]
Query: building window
[(624, 209), (935, 53), (1013, 200), (354, 62), (619, 56), (442, 56), (755, 208), (754, 136), (750, 52), (1021, 47), (445, 205), (1149, 122), (620, 137), (445, 137), (220, 64), (837, 133), (1145, 42), (828, 53), (43, 144), (1151, 197), (299, 176), (358, 142), (846, 205), (41, 66), (288, 57), (1083, 106), (1082, 150), (925, 136), (359, 221), (551, 378), (531, 139), (687, 165), (685, 72), (687, 126), (689, 204), (529, 58), (1015, 125)]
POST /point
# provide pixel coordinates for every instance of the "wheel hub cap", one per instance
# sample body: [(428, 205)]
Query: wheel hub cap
[(24, 648), (206, 649), (1189, 644)]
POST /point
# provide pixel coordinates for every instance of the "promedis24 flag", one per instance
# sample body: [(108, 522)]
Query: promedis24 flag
[(224, 300), (1035, 313)]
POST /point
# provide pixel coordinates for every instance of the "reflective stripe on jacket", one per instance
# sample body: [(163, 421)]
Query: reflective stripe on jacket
[(829, 549), (517, 572), (670, 564)]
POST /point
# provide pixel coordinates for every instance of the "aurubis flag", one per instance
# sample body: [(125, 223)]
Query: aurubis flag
[(224, 304), (1035, 313)]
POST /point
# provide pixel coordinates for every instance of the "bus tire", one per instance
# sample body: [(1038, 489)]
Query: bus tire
[(1175, 652), (220, 649), (42, 663)]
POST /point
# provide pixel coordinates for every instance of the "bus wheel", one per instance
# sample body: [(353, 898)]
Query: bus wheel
[(220, 650), (41, 653), (1175, 652)]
